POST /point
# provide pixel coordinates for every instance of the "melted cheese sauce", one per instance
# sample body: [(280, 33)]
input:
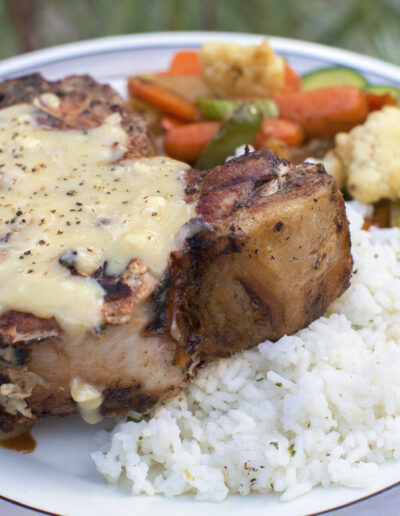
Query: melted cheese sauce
[(89, 400), (72, 195)]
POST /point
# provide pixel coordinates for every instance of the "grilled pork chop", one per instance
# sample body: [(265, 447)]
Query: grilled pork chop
[(274, 253), (263, 249)]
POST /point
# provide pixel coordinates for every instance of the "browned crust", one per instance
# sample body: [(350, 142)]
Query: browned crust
[(18, 326), (84, 104), (125, 293)]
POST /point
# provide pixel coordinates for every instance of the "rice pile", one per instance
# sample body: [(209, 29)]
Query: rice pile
[(319, 407)]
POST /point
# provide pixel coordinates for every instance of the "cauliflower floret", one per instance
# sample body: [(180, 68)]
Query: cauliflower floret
[(234, 69), (371, 156)]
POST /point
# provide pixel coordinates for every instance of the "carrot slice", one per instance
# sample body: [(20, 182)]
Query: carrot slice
[(324, 111), (186, 62), (376, 102), (168, 122), (187, 142), (286, 131), (292, 80), (162, 99)]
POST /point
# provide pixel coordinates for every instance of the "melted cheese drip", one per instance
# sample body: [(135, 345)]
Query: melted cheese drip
[(71, 194), (89, 400)]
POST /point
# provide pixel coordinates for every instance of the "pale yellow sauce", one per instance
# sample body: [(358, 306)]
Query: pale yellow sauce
[(72, 191), (89, 400)]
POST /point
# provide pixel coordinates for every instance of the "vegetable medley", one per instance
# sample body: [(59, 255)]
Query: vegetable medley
[(226, 95)]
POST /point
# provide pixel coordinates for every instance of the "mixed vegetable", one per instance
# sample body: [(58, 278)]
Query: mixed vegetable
[(212, 101)]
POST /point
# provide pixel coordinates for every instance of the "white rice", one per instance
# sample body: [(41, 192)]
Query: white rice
[(317, 408)]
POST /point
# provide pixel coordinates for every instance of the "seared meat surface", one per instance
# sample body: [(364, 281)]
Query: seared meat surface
[(275, 254), (84, 104), (267, 252)]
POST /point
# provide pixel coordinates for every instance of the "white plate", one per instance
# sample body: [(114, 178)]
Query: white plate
[(59, 476)]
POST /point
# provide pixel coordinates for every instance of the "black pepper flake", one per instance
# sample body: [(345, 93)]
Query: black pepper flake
[(278, 226), (68, 223), (78, 222), (26, 253), (19, 213), (71, 192), (154, 214), (59, 232), (41, 242), (29, 271), (52, 211), (78, 203)]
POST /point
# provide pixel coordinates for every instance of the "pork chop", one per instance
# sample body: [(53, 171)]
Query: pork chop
[(263, 250)]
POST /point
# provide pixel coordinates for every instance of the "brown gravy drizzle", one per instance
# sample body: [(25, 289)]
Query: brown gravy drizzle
[(23, 443)]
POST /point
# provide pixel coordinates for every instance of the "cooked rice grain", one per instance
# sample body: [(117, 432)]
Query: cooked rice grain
[(317, 408)]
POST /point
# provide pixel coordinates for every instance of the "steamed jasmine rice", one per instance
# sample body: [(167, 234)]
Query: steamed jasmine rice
[(320, 407)]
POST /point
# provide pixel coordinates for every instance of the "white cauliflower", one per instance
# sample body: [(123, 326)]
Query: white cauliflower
[(371, 156), (233, 69)]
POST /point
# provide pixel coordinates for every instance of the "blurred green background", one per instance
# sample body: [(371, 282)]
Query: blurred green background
[(367, 26)]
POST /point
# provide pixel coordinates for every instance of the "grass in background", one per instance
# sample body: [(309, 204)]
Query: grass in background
[(367, 26)]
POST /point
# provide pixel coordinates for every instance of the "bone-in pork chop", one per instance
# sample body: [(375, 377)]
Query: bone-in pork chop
[(121, 271)]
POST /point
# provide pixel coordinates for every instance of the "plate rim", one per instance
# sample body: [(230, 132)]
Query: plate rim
[(14, 65)]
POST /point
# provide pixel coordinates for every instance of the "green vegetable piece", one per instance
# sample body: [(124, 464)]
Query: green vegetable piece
[(333, 76), (240, 129), (381, 89), (395, 214), (268, 107), (218, 109)]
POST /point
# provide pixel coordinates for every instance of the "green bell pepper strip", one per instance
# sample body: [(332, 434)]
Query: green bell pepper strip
[(218, 109), (239, 129)]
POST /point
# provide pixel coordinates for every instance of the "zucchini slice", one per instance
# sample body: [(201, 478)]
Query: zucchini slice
[(333, 76), (381, 89)]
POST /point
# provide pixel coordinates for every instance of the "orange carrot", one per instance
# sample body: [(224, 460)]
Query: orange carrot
[(292, 81), (376, 102), (168, 122), (162, 99), (186, 62), (324, 111), (286, 131), (187, 142)]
